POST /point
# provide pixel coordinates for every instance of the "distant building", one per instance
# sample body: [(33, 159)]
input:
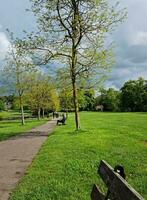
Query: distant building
[(99, 108)]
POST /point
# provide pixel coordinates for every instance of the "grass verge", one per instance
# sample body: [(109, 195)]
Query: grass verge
[(66, 166), (9, 128)]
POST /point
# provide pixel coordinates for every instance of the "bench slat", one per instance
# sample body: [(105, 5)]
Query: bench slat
[(96, 194), (120, 189)]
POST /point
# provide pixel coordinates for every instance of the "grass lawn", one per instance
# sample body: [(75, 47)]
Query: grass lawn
[(13, 127), (10, 114), (66, 166)]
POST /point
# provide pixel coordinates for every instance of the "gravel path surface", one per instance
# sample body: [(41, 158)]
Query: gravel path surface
[(17, 153)]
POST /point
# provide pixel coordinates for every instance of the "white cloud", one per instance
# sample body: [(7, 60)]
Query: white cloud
[(4, 45), (140, 38)]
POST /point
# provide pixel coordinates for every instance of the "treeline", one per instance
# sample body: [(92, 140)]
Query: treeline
[(132, 97), (37, 93), (43, 96)]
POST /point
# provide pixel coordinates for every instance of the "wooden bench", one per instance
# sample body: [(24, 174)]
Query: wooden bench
[(118, 188), (61, 121)]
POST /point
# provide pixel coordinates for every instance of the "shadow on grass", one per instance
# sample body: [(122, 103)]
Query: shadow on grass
[(7, 121), (28, 135), (17, 121), (4, 126), (142, 113)]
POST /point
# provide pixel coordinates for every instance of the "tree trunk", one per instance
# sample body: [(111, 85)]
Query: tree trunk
[(38, 113), (67, 113), (22, 112), (66, 107), (73, 77), (43, 113), (76, 106)]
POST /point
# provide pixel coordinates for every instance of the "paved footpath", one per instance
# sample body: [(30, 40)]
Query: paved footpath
[(17, 153)]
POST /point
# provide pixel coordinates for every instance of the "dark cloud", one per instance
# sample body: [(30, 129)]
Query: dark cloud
[(131, 45), (137, 53), (130, 39)]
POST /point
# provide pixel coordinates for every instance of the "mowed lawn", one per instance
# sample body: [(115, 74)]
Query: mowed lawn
[(66, 166), (4, 115), (9, 128)]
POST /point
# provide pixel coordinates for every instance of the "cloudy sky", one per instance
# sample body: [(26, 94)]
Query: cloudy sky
[(130, 39)]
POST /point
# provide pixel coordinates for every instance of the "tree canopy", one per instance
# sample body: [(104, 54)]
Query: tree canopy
[(74, 32), (134, 95)]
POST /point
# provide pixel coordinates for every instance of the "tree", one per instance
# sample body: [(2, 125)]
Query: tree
[(17, 69), (2, 105), (64, 86), (55, 102), (110, 99), (88, 99), (9, 101), (74, 32), (42, 94), (66, 100), (134, 95)]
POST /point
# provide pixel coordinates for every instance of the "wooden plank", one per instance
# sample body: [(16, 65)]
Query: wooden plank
[(96, 194), (118, 187)]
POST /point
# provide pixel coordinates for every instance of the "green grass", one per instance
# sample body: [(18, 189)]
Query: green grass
[(5, 114), (66, 166), (12, 114), (9, 128)]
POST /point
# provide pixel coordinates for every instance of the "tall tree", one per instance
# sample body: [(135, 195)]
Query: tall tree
[(2, 104), (63, 83), (74, 31), (88, 102), (42, 94), (55, 102), (134, 95), (17, 69), (110, 99)]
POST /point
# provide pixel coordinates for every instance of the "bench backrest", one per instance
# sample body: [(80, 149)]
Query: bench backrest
[(117, 186)]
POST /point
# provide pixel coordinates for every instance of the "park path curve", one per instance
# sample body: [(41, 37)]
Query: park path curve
[(17, 153)]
